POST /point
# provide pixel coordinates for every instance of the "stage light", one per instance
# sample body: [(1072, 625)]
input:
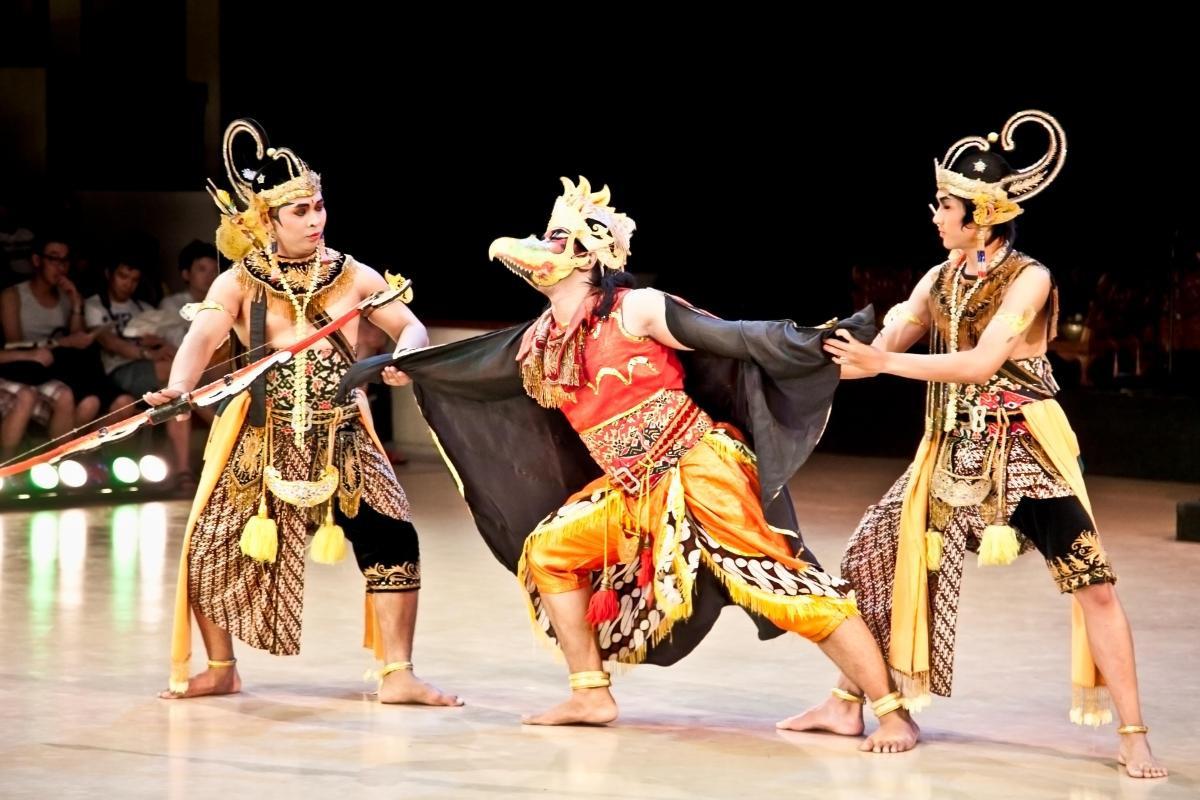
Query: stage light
[(44, 476), (153, 468), (125, 470), (72, 474)]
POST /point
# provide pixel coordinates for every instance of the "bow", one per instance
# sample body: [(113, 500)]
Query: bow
[(227, 386)]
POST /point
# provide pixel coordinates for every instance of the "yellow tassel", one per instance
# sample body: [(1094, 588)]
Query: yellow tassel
[(179, 678), (260, 537), (999, 546), (1090, 705), (934, 544), (233, 242), (914, 689), (329, 542)]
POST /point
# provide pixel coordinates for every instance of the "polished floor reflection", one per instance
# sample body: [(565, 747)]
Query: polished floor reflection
[(85, 621)]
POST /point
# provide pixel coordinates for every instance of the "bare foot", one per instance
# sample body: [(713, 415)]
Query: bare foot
[(832, 716), (221, 680), (1136, 758), (583, 707), (402, 687), (897, 733)]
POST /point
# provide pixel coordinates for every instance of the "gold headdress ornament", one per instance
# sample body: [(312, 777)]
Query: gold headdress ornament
[(997, 202), (263, 179)]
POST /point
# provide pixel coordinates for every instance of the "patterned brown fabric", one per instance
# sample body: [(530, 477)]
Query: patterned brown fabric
[(261, 604)]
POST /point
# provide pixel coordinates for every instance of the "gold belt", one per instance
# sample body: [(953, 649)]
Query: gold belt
[(301, 493), (340, 414)]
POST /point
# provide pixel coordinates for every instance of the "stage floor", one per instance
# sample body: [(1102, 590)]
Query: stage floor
[(85, 600)]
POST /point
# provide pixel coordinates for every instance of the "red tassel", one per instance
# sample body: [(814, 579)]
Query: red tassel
[(646, 568), (602, 607)]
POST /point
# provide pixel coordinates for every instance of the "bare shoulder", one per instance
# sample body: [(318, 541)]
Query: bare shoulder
[(1041, 269), (1035, 276), (365, 277), (642, 302), (228, 292), (227, 285)]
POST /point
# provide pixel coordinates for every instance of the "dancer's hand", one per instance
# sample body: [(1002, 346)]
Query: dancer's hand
[(394, 377), (848, 352), (161, 397), (164, 396)]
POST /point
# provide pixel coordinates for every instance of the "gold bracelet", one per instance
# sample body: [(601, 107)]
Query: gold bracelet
[(213, 664), (1124, 729), (190, 311), (596, 679), (900, 312), (887, 704), (395, 666), (1017, 323), (849, 697)]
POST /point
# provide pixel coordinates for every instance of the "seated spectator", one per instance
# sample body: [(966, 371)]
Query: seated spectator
[(46, 313), (135, 366)]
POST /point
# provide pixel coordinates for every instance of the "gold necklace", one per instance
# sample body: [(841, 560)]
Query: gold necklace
[(301, 412), (959, 301)]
